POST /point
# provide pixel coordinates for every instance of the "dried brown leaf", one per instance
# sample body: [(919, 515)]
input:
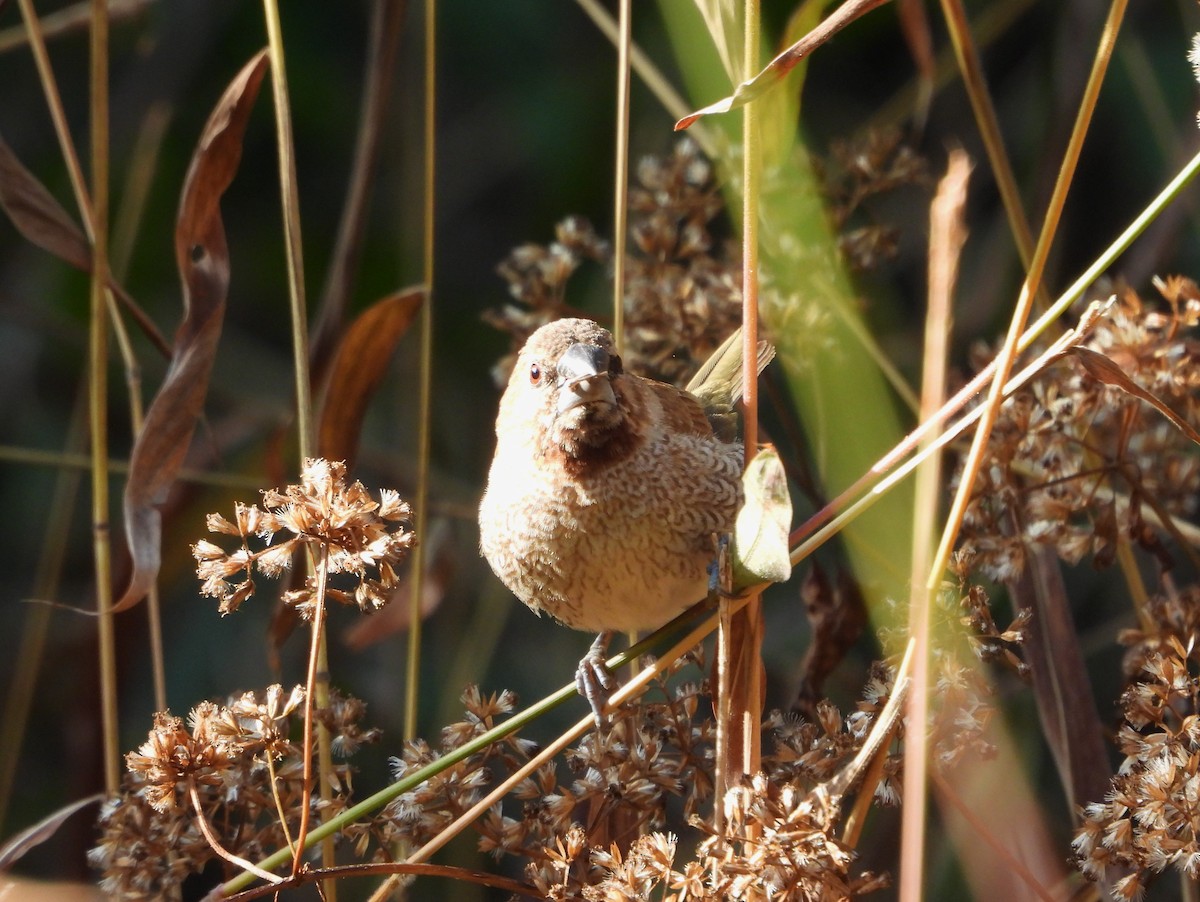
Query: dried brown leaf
[(1062, 688), (37, 215), (358, 367), (203, 259), (779, 67), (16, 846), (1105, 370), (43, 221)]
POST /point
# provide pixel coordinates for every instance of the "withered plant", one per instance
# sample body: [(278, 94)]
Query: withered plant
[(985, 686)]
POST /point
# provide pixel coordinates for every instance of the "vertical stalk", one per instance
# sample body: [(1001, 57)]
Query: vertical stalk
[(425, 408), (947, 233), (621, 175), (305, 429), (310, 685), (37, 44), (971, 67), (98, 386), (126, 218), (739, 636), (291, 231), (751, 616)]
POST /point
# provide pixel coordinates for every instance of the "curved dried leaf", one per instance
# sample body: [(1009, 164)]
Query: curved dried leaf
[(1104, 369), (358, 367), (203, 260), (779, 67), (42, 220), (37, 215), (16, 846)]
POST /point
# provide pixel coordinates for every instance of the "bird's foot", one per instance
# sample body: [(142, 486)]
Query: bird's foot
[(594, 680)]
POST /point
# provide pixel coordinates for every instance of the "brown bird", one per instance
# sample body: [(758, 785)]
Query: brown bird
[(608, 491)]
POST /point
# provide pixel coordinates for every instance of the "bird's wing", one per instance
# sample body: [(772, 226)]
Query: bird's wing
[(718, 383)]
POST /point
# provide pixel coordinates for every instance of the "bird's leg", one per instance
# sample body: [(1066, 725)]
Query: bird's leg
[(720, 571), (593, 680)]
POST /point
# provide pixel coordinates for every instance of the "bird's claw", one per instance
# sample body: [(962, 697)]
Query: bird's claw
[(594, 680)]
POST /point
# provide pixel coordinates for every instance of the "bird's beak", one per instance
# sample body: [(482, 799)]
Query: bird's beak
[(583, 377)]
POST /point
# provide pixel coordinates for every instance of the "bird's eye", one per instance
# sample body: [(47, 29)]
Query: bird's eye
[(614, 365), (535, 374)]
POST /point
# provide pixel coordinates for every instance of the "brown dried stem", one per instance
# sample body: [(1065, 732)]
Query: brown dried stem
[(947, 236), (310, 686), (215, 843), (395, 869)]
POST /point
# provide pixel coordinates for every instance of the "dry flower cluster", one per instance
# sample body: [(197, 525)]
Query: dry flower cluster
[(582, 837), (588, 840), (868, 165), (683, 291), (341, 526), (1076, 463), (1149, 821), (237, 765), (777, 844), (1084, 461)]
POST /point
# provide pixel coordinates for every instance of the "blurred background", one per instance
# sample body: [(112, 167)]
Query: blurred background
[(525, 133)]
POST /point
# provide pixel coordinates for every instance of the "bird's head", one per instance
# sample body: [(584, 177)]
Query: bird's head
[(569, 396)]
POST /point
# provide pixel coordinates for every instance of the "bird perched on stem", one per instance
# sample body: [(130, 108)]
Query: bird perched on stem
[(608, 491)]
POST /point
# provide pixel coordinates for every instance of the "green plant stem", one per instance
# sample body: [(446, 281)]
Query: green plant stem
[(397, 871), (412, 682), (971, 67), (98, 387), (863, 495), (291, 229), (58, 116), (68, 460), (636, 685), (305, 428), (991, 22), (662, 89), (125, 222), (621, 175), (318, 635)]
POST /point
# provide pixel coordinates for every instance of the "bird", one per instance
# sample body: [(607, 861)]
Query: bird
[(609, 492)]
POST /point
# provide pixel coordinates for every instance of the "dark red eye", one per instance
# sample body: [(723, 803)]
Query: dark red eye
[(535, 374)]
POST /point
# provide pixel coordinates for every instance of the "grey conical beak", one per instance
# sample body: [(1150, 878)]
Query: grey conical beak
[(583, 377)]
